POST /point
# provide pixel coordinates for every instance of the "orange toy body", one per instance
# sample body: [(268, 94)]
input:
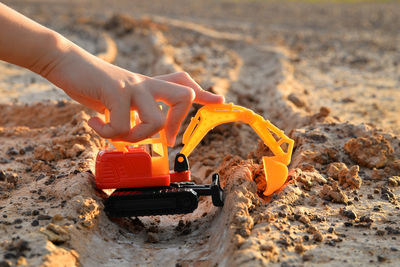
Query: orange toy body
[(141, 164)]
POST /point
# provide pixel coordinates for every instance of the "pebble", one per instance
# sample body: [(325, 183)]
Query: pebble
[(392, 230), (2, 176), (380, 232), (308, 257), (4, 161), (29, 148), (381, 258), (17, 221), (349, 214), (40, 177), (299, 248), (5, 264), (42, 217), (152, 237), (12, 151), (35, 223), (296, 100)]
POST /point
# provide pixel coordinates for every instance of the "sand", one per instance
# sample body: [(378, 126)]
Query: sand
[(333, 89)]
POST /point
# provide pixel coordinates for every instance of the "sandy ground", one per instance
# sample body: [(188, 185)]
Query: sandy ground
[(325, 73)]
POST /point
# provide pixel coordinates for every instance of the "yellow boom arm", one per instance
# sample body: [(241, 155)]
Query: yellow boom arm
[(210, 116)]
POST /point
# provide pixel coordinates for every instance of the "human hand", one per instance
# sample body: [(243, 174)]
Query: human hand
[(100, 85)]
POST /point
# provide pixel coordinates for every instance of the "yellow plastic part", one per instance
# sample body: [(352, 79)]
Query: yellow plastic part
[(210, 116), (160, 165)]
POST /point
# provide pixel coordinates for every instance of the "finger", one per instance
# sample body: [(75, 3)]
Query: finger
[(179, 98), (152, 120), (119, 124), (202, 97)]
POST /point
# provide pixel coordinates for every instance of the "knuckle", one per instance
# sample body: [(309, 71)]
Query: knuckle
[(183, 74), (187, 94), (158, 122)]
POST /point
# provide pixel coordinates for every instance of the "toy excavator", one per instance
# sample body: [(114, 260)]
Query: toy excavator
[(144, 184)]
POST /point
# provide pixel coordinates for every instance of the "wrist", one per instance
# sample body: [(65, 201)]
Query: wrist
[(55, 48)]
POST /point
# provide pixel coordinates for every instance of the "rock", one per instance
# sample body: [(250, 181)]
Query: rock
[(43, 217), (152, 237), (371, 152), (346, 177), (349, 213), (304, 219), (333, 193), (3, 176), (75, 151), (387, 194), (394, 181), (12, 178), (381, 258), (56, 233), (296, 100), (12, 151), (299, 248)]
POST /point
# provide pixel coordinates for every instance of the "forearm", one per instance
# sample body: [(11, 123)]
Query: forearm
[(28, 44)]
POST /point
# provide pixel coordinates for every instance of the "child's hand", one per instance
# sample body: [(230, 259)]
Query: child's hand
[(100, 85)]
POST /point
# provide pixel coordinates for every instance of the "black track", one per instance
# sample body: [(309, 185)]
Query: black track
[(178, 198)]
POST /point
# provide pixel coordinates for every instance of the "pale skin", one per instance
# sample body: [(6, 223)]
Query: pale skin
[(100, 85)]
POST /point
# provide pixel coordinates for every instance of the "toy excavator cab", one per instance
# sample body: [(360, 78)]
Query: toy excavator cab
[(155, 146), (210, 116)]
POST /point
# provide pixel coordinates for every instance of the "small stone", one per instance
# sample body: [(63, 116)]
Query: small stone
[(307, 257), (370, 196), (380, 232), (152, 237), (43, 217), (57, 217), (394, 181), (304, 219), (29, 148), (3, 176), (4, 161), (331, 230), (22, 261), (5, 264), (392, 230), (35, 212), (376, 191), (348, 224), (56, 233), (296, 100), (349, 214), (299, 248), (12, 151), (381, 258), (40, 177), (17, 221), (318, 237), (35, 223)]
